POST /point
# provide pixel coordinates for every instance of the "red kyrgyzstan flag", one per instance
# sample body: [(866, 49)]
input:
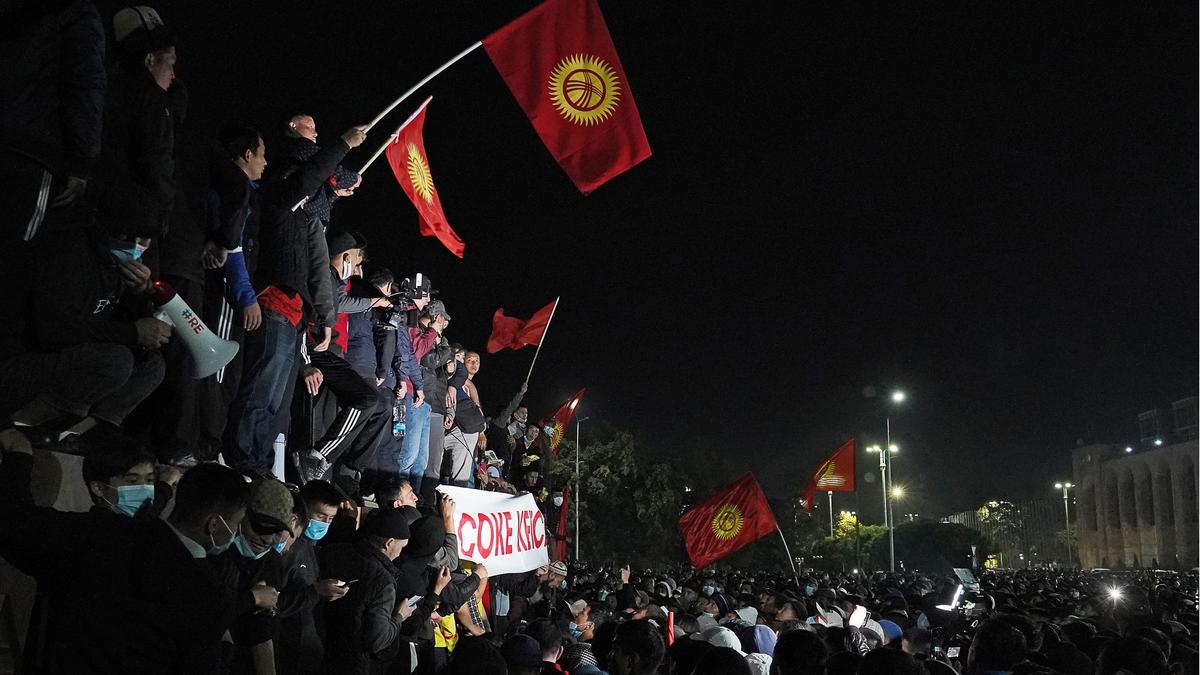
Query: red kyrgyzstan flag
[(409, 162), (555, 427), (560, 63), (836, 474), (731, 519), (509, 332)]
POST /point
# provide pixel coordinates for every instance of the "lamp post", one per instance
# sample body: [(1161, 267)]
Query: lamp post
[(897, 398), (831, 513), (578, 491), (1066, 490)]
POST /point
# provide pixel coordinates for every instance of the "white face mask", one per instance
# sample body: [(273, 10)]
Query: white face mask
[(347, 267), (558, 501)]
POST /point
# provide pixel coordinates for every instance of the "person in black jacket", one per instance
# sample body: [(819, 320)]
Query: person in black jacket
[(106, 576), (90, 350), (293, 288), (51, 105), (437, 365), (300, 646), (363, 630)]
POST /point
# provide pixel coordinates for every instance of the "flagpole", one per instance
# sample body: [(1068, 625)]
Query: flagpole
[(791, 560), (539, 347), (420, 84), (831, 513), (395, 134)]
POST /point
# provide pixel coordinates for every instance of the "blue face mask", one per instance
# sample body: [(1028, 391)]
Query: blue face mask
[(243, 547), (563, 584), (131, 498), (707, 590), (573, 629), (125, 251), (316, 529), (279, 546), (218, 549), (809, 590), (602, 595)]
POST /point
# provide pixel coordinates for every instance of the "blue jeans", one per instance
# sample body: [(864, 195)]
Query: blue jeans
[(269, 371), (414, 452)]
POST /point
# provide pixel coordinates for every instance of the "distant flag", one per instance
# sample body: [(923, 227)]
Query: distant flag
[(731, 519), (411, 165), (555, 427), (835, 474), (560, 63), (509, 332)]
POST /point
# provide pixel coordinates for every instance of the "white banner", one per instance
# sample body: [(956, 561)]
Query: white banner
[(505, 533)]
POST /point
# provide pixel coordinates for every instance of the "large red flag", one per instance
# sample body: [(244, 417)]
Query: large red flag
[(835, 474), (560, 63), (732, 518), (411, 165), (509, 332), (556, 426)]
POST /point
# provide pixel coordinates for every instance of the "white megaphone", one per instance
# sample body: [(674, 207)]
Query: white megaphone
[(209, 352)]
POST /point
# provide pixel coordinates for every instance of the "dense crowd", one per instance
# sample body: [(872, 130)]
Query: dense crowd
[(230, 528)]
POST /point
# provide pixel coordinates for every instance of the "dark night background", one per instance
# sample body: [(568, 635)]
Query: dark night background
[(991, 206)]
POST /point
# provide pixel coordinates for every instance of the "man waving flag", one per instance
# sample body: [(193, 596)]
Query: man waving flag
[(411, 165), (731, 519)]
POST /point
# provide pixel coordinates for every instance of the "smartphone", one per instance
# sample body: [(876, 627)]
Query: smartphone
[(859, 616), (412, 602), (952, 652), (347, 583)]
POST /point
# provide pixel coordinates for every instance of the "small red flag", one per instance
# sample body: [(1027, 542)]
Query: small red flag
[(509, 332), (556, 426), (836, 474), (731, 519), (560, 63), (411, 165)]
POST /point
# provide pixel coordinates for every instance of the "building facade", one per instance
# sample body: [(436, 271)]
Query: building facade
[(1137, 507)]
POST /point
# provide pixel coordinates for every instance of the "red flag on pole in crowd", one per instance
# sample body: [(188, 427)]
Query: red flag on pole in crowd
[(836, 474), (731, 519), (556, 426), (560, 63), (409, 162), (509, 332)]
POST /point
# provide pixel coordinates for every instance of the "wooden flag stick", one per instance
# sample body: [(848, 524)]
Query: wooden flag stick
[(420, 84), (795, 574), (539, 347)]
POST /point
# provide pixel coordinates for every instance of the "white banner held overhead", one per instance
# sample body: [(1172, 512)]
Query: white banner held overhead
[(505, 533)]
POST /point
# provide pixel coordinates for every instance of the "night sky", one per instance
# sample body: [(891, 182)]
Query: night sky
[(991, 206)]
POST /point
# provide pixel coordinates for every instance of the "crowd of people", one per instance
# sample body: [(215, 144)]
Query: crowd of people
[(229, 530)]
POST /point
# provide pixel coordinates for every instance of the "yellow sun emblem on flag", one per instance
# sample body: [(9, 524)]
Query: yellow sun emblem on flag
[(728, 522), (419, 174), (584, 89)]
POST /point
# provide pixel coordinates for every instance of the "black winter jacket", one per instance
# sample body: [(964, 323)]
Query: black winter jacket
[(293, 254), (361, 631), (53, 82)]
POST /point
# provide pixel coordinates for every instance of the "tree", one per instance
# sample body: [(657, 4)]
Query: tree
[(631, 497), (933, 547)]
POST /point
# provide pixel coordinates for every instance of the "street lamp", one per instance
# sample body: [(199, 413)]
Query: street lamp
[(898, 397), (831, 513), (578, 491), (1066, 490)]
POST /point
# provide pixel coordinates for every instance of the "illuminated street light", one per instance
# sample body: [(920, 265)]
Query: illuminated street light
[(1158, 441), (897, 396), (1128, 449), (898, 492), (1066, 488), (893, 448)]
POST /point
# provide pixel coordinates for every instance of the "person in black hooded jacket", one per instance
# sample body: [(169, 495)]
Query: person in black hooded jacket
[(364, 631)]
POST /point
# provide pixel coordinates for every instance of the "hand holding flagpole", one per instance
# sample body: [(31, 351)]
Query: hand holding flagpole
[(540, 342)]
